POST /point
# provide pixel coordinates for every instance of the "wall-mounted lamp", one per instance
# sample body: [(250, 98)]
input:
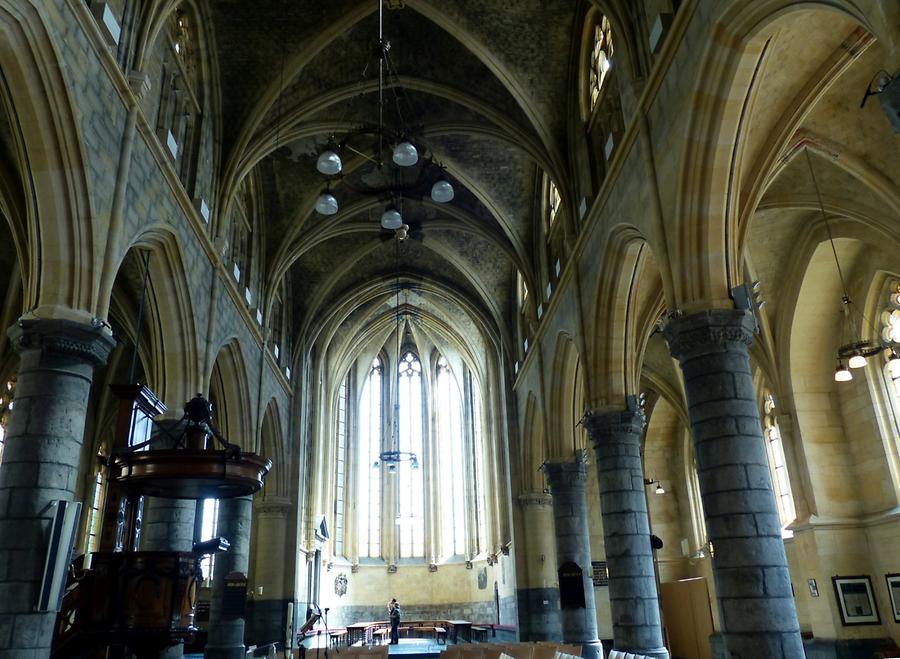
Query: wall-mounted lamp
[(659, 488)]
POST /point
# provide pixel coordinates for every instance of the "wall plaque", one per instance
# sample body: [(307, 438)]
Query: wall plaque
[(234, 595), (600, 573), (571, 586)]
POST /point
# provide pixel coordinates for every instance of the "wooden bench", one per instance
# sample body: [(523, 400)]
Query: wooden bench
[(380, 634), (480, 633), (440, 635), (337, 636)]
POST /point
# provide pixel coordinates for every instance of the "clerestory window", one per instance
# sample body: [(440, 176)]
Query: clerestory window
[(601, 60)]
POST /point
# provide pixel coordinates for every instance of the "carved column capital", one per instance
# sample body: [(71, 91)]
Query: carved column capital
[(528, 499), (601, 426), (272, 506), (564, 476), (66, 338), (715, 330)]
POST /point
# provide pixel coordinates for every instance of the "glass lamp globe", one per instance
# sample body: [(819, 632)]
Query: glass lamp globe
[(329, 163), (857, 361), (894, 365), (391, 219), (326, 204), (842, 374), (442, 191), (605, 63), (405, 154)]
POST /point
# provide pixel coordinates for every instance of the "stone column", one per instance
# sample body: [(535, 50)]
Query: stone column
[(40, 466), (573, 545), (749, 563), (538, 594), (269, 609), (168, 524), (633, 597), (226, 633)]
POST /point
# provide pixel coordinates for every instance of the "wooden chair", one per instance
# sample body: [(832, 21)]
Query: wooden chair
[(519, 650)]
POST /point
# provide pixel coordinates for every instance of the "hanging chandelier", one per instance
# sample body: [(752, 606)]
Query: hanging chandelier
[(394, 457), (394, 162), (854, 351)]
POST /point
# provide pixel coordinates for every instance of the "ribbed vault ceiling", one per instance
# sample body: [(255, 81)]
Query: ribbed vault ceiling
[(485, 92)]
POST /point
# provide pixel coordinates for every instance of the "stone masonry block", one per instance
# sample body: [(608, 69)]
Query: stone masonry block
[(736, 502), (768, 523), (743, 386), (25, 474), (22, 534), (758, 645), (720, 426), (759, 476), (629, 565), (710, 410), (6, 627), (778, 582), (749, 425), (34, 630), (619, 523), (711, 387), (18, 596), (743, 552), (617, 480), (621, 501), (728, 526), (740, 582), (724, 451), (56, 476), (643, 587), (725, 478), (770, 614), (718, 362)]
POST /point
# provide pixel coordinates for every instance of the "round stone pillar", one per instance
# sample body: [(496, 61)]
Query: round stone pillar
[(568, 481), (269, 608), (633, 597), (168, 524), (753, 585), (40, 466), (226, 632), (537, 591)]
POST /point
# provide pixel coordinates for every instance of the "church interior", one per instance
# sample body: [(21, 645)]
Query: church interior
[(556, 321)]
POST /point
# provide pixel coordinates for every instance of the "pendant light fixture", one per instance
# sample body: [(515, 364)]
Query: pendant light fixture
[(855, 351), (394, 160)]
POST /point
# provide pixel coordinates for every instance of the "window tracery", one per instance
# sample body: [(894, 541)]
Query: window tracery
[(601, 59)]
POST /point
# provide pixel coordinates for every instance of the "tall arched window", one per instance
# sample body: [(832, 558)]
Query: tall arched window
[(451, 447), (601, 59), (553, 202), (341, 464), (411, 508), (209, 523), (95, 511), (777, 464), (478, 460), (6, 405), (371, 417), (439, 420)]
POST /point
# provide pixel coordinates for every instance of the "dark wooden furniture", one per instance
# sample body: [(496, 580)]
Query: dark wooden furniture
[(441, 630)]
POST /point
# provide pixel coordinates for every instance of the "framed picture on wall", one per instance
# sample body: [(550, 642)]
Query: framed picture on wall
[(893, 584), (856, 600)]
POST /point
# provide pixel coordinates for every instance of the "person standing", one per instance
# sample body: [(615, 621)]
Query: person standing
[(394, 612)]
